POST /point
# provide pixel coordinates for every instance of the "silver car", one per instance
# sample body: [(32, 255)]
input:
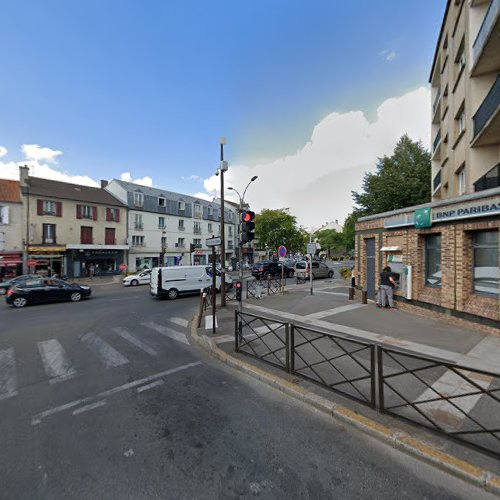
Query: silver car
[(319, 269)]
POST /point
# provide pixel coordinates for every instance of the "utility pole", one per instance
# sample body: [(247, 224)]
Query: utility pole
[(223, 168)]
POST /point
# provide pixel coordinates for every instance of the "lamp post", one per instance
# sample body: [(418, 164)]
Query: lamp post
[(223, 168)]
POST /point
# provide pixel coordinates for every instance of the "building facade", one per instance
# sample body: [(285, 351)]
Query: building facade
[(71, 229), (445, 254), (163, 224), (11, 229)]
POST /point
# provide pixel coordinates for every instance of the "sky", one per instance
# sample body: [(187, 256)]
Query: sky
[(307, 93)]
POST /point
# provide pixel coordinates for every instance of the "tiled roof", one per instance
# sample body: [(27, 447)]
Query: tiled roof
[(9, 191), (66, 191)]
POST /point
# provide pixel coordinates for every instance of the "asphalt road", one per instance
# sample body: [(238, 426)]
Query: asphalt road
[(106, 399)]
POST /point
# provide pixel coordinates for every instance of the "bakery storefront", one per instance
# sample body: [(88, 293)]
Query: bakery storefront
[(47, 260), (445, 255), (103, 260)]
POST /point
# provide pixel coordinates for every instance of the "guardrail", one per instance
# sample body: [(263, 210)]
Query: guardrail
[(258, 288), (459, 401)]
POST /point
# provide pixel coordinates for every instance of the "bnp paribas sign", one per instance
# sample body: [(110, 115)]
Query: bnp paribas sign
[(482, 208)]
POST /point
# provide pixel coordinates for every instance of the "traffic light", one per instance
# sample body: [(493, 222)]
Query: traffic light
[(247, 226), (238, 291), (192, 247)]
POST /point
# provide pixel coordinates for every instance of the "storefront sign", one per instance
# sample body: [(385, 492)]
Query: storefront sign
[(467, 210), (423, 218), (394, 258)]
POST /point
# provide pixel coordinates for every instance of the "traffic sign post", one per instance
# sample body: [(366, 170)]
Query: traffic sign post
[(214, 242), (282, 254)]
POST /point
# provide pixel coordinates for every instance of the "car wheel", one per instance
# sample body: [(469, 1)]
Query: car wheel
[(19, 302), (330, 274), (75, 296), (173, 293), (134, 282)]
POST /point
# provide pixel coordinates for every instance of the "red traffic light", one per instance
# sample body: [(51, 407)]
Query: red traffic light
[(238, 284), (248, 216)]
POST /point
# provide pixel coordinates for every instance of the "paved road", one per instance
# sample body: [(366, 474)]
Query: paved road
[(106, 399)]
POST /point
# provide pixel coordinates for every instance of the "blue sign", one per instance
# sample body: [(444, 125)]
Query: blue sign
[(282, 251)]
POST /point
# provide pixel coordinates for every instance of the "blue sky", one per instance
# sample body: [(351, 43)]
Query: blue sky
[(149, 87)]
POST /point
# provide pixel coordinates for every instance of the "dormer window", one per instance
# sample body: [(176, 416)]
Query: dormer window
[(162, 202), (210, 211), (138, 199), (197, 210), (181, 206)]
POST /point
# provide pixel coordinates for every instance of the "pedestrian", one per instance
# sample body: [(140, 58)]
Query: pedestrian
[(387, 284), (91, 271)]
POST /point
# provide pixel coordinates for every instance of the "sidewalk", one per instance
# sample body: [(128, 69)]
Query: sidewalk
[(329, 309), (98, 280)]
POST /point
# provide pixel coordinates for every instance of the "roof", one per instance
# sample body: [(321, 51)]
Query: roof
[(9, 191), (67, 191)]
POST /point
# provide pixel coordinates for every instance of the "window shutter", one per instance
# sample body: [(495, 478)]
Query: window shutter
[(54, 227), (78, 211), (39, 207), (117, 214), (5, 215), (58, 209), (108, 214), (94, 213)]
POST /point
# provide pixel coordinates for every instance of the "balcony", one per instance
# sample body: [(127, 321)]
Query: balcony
[(436, 107), (197, 230), (486, 46), (436, 146), (490, 180), (162, 226), (487, 118)]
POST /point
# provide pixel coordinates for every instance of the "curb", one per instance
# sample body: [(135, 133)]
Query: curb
[(417, 448)]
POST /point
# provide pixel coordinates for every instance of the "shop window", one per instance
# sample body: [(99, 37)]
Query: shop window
[(485, 262), (433, 260), (49, 234)]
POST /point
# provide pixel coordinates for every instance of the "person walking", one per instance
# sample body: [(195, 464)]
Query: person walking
[(387, 284)]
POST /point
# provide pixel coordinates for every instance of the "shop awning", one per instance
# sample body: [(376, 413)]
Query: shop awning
[(390, 249)]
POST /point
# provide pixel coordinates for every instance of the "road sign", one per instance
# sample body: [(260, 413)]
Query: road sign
[(123, 267), (311, 248), (282, 251), (213, 242)]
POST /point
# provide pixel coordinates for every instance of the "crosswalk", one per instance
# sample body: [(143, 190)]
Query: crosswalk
[(59, 368)]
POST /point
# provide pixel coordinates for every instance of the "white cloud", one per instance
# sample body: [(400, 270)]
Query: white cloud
[(38, 153), (390, 56), (191, 178), (204, 196), (316, 181), (145, 181), (3, 151)]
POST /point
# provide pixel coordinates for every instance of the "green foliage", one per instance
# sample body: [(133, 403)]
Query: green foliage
[(278, 227), (401, 180), (345, 272), (330, 241), (348, 231)]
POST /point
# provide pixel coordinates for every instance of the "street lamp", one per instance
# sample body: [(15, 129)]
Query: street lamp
[(222, 168)]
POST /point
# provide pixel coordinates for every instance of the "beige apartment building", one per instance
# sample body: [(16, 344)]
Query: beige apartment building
[(465, 82), (11, 231)]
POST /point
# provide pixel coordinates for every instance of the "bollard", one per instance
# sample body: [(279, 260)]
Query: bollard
[(364, 297), (351, 293)]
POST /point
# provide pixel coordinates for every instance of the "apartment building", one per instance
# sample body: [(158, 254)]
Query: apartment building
[(163, 224), (11, 229), (445, 253), (71, 229)]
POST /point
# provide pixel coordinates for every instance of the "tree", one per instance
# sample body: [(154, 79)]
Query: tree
[(348, 231), (278, 227), (401, 180), (330, 240)]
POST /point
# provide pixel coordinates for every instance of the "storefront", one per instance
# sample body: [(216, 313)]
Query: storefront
[(444, 254), (96, 260), (11, 265), (47, 260)]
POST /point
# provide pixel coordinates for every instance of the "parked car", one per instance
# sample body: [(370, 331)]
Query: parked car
[(39, 290), (319, 269), (271, 268), (142, 278), (5, 285)]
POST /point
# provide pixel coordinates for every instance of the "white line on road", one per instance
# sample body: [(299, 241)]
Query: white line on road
[(92, 406), (149, 386), (166, 332), (55, 361), (126, 335), (8, 375), (335, 310), (37, 419), (180, 321), (340, 294), (108, 355)]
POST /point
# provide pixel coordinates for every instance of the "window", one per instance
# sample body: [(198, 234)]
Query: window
[(197, 228), (109, 236), (163, 242), (86, 235), (197, 210), (2, 242), (180, 243), (181, 225), (138, 221), (113, 214), (162, 202), (49, 234), (197, 241), (461, 122), (48, 207), (137, 241), (433, 260), (4, 215), (138, 199), (230, 230), (230, 245), (485, 262), (86, 212), (161, 222), (461, 181), (209, 211), (181, 206), (209, 227), (460, 60)]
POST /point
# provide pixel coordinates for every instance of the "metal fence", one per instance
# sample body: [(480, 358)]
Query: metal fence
[(455, 400), (258, 288)]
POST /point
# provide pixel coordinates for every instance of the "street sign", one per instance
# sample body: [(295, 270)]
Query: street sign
[(123, 267), (213, 242), (311, 248), (282, 251)]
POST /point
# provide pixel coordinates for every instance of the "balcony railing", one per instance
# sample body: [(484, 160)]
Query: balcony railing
[(437, 181), (139, 226), (197, 230), (437, 141), (488, 108), (436, 100), (489, 180), (484, 32), (181, 228)]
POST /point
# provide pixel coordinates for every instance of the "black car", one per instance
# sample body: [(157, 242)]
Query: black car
[(40, 290), (5, 285), (271, 268)]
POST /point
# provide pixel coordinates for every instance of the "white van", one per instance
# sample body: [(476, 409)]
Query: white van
[(171, 281)]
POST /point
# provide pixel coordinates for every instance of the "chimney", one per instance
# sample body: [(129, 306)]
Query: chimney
[(104, 183), (24, 174), (336, 221)]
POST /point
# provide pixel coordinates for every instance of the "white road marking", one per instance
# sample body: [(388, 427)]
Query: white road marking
[(125, 334), (92, 406), (224, 338), (149, 386), (335, 310), (37, 419), (209, 320), (167, 332), (340, 294), (8, 375), (180, 321), (108, 355), (55, 361)]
